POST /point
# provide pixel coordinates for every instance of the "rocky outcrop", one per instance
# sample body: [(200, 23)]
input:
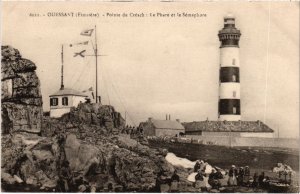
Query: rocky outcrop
[(81, 151), (88, 121), (95, 114), (21, 109)]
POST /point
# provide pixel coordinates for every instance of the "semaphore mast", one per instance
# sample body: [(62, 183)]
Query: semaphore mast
[(62, 68), (96, 55)]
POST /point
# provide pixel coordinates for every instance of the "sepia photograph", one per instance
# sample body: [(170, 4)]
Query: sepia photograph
[(150, 96)]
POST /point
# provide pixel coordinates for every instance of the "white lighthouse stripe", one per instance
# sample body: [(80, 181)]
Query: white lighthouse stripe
[(229, 57), (230, 117), (230, 90)]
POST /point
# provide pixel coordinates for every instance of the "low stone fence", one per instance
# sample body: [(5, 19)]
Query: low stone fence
[(245, 141)]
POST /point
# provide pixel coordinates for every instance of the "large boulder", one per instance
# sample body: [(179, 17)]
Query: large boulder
[(31, 159), (105, 162), (103, 116), (80, 156), (135, 172), (21, 117), (21, 96)]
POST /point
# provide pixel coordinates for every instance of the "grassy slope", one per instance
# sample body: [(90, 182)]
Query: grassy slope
[(224, 157)]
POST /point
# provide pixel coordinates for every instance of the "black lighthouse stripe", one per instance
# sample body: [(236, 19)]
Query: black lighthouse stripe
[(229, 107), (229, 74), (230, 43)]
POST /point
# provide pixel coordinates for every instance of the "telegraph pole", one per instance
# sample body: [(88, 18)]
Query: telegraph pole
[(62, 67), (96, 55)]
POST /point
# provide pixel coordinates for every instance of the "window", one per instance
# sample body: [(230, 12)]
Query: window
[(234, 110), (53, 101), (233, 61), (65, 101), (233, 78), (234, 94)]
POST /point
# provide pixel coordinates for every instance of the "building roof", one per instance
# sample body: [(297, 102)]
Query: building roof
[(167, 124), (68, 92), (227, 126)]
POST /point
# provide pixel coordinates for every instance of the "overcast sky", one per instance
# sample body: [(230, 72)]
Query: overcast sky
[(156, 66)]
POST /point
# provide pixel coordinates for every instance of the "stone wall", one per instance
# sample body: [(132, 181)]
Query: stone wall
[(21, 109), (168, 132), (234, 141)]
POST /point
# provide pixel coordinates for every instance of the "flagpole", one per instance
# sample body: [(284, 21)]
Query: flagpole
[(62, 67), (96, 55)]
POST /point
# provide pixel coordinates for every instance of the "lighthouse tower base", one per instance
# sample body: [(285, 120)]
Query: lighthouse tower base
[(230, 118)]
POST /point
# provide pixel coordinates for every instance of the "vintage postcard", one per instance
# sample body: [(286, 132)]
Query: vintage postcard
[(136, 96)]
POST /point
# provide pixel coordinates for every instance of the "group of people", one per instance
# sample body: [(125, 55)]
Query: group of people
[(285, 172), (132, 130), (204, 180), (241, 177), (236, 177)]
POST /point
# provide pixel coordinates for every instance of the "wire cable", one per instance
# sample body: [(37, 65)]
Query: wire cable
[(267, 65), (121, 102), (105, 83), (87, 65)]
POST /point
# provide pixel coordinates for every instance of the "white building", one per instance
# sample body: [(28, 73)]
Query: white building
[(62, 101)]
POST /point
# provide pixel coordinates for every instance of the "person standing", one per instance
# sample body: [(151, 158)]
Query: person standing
[(246, 175), (255, 182), (261, 178), (200, 183), (214, 177), (197, 166), (240, 177), (174, 182), (232, 181), (65, 176)]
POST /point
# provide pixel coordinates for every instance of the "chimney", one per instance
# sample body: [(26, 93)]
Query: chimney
[(166, 116), (178, 120), (150, 119), (169, 117)]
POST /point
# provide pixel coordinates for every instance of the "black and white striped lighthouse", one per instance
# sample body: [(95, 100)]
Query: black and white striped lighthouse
[(229, 91)]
